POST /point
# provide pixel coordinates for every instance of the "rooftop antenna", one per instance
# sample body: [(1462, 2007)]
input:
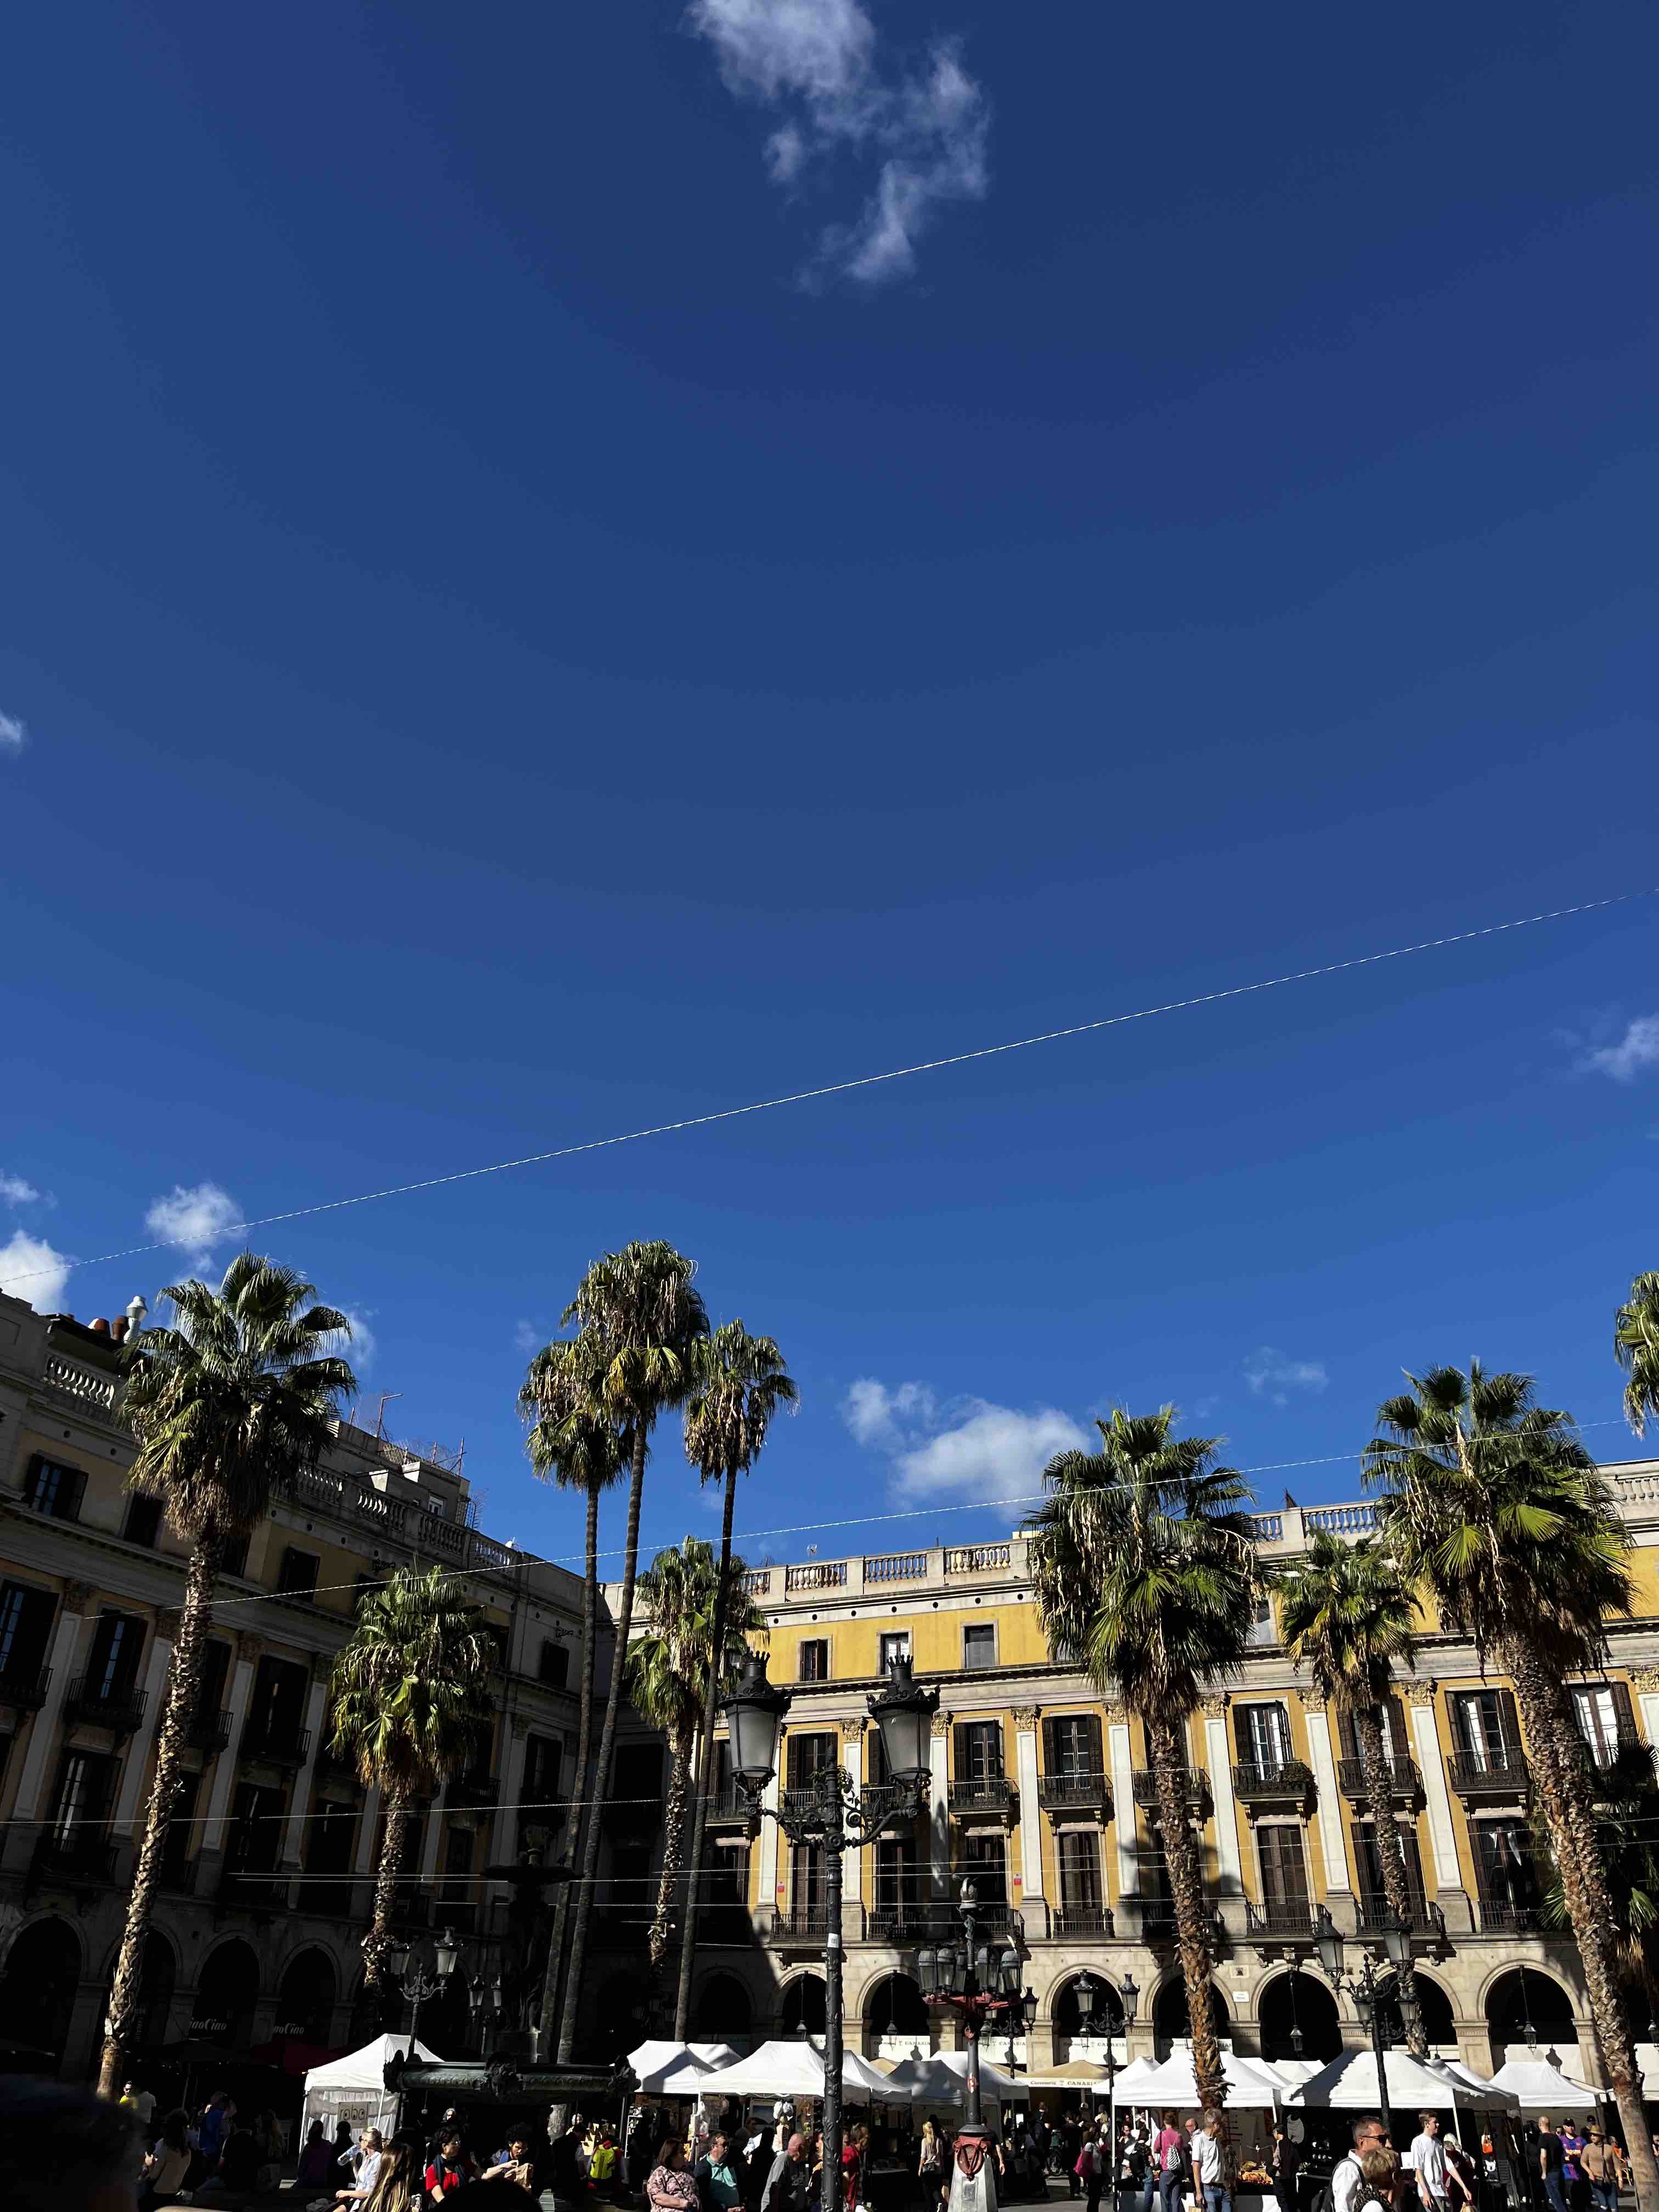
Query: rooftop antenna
[(380, 1418)]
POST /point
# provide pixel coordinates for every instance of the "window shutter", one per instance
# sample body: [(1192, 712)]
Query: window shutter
[(962, 1758), (1050, 1749), (994, 1768), (1243, 1749), (1509, 1721), (1624, 1712), (1092, 1737), (1347, 1735)]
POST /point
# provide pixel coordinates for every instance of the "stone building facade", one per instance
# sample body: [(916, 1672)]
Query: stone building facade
[(269, 1884), (1042, 1793)]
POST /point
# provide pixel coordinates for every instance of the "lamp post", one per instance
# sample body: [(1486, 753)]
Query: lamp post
[(979, 1984), (1364, 1989), (423, 1971), (834, 1818), (1085, 1990)]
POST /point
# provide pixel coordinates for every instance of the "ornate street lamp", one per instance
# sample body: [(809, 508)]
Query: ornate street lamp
[(980, 1984), (422, 1971), (832, 1817), (1365, 1988)]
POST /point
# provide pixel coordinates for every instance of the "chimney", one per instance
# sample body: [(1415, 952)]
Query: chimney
[(101, 1326), (135, 1311), (118, 1330)]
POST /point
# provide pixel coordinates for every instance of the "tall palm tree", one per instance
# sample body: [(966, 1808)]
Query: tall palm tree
[(1145, 1569), (226, 1406), (1347, 1615), (1497, 1509), (698, 1635), (740, 1384), (639, 1319), (570, 1444), (412, 1709), (1635, 1347)]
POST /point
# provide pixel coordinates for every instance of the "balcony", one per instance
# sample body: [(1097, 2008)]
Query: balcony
[(1511, 1919), (726, 1927), (797, 1925), (177, 1875), (729, 1806), (277, 1743), (76, 1860), (330, 1897), (1285, 1783), (1193, 1783), (472, 1791), (909, 1920), (1084, 1923), (258, 1892), (209, 1730), (1157, 1921), (1405, 1783), (1483, 1777), (1279, 1922), (1073, 1793), (1621, 1768), (991, 1913), (985, 1796), (112, 1705), (24, 1689), (1422, 1918)]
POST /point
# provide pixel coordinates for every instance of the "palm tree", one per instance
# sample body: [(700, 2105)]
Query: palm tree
[(1635, 1347), (638, 1320), (1497, 1509), (226, 1406), (740, 1384), (1347, 1615), (412, 1709), (569, 1444), (698, 1635), (1145, 1569)]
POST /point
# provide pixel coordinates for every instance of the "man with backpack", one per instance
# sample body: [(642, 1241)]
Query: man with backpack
[(1170, 2158), (1342, 2192)]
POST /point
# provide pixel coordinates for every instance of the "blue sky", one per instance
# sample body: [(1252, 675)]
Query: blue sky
[(564, 567)]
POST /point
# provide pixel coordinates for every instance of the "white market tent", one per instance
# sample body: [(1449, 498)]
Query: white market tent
[(1349, 2084), (1538, 2086), (1252, 2085), (678, 2070), (943, 2080), (1081, 2075), (1291, 2071), (795, 2069), (353, 2087)]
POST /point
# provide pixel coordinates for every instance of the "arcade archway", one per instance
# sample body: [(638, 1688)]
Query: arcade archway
[(802, 2010), (227, 1995), (305, 1997), (37, 1989), (1298, 2019), (1171, 2023), (724, 2011), (1527, 2002)]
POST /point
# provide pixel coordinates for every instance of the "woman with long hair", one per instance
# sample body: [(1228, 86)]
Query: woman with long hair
[(398, 2181)]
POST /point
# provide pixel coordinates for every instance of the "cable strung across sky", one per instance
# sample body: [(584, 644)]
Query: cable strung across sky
[(886, 1075)]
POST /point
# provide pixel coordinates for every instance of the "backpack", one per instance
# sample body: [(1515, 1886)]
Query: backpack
[(1171, 2162), (1325, 2196)]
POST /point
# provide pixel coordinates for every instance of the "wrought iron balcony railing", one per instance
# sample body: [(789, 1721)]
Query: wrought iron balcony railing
[(112, 1705), (1072, 1793), (1277, 1782), (1403, 1780)]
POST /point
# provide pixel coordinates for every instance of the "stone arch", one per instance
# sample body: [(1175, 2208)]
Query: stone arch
[(621, 2016), (800, 2006), (158, 1977), (305, 1995), (893, 2005), (1520, 1996), (1107, 2018), (228, 1995), (38, 1984), (1439, 2025), (1170, 2022), (1297, 2003), (722, 2009)]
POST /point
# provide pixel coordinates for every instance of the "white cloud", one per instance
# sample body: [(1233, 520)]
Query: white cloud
[(13, 734), (194, 1219), (15, 1192), (966, 1449), (1271, 1374), (1638, 1048), (30, 1269), (817, 59), (527, 1338), (362, 1346)]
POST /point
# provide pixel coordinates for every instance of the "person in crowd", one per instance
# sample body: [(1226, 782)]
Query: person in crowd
[(316, 2157), (601, 2167), (1284, 2164), (1346, 2177), (1209, 2153), (1428, 2162), (1378, 2172), (141, 2103), (930, 2161), (448, 2173), (1551, 2164), (365, 2162), (342, 2143), (719, 2187), (166, 2167), (238, 2160), (854, 2150), (1168, 2158), (1572, 2173), (788, 2185), (398, 2179), (564, 2159), (1603, 2168), (517, 2164), (669, 2187), (214, 2126), (62, 2149)]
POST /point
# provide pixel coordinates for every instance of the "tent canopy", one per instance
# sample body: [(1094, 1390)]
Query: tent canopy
[(1538, 2086), (678, 2070), (1349, 2084), (1252, 2085), (366, 2068), (943, 2080), (795, 2069)]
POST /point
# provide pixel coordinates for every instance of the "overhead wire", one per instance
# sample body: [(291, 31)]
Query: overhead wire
[(868, 1082)]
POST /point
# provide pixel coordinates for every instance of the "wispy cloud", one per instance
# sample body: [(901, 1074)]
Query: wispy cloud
[(965, 1448), (924, 128), (194, 1218), (527, 1338), (14, 734), (29, 1268), (14, 1191), (361, 1346), (1272, 1376), (1636, 1052)]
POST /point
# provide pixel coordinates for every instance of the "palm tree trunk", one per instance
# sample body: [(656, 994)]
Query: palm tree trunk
[(705, 1767), (1558, 1776), (1391, 1860), (1168, 1745), (183, 1691), (378, 1942), (673, 1851), (573, 1994), (576, 1811)]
